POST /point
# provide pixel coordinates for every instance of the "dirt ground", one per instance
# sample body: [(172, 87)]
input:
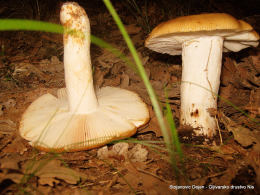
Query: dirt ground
[(31, 64)]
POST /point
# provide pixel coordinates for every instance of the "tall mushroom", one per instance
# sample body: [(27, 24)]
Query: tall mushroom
[(78, 118), (200, 39)]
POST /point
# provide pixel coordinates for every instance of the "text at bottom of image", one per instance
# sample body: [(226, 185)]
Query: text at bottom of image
[(212, 187)]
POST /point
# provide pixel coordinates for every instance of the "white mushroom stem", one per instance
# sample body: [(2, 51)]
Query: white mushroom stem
[(78, 69), (201, 60)]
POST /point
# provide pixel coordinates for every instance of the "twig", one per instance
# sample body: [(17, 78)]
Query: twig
[(157, 177), (219, 131)]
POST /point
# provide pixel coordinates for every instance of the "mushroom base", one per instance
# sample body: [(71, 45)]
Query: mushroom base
[(50, 126), (200, 83)]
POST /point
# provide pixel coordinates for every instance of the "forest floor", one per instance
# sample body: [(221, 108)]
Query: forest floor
[(31, 64)]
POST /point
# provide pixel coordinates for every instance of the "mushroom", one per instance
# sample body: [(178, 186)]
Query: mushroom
[(200, 39), (78, 118)]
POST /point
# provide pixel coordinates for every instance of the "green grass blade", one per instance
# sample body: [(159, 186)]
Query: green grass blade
[(174, 133), (141, 70), (99, 42), (32, 25)]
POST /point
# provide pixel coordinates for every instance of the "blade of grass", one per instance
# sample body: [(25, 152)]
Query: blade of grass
[(32, 25), (170, 120), (99, 42), (141, 71)]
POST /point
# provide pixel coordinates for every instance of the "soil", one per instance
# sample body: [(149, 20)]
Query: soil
[(31, 64)]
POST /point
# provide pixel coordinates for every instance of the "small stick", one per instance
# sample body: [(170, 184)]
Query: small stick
[(220, 136), (148, 173)]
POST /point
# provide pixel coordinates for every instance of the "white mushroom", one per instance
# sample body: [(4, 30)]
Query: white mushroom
[(200, 40), (78, 118)]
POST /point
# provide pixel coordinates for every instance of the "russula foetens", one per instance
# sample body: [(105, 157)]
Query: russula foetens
[(78, 118), (200, 39)]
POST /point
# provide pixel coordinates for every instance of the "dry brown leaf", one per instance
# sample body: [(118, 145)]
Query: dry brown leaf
[(254, 103), (1, 110), (138, 153), (124, 81), (99, 77), (51, 181), (10, 103), (133, 179), (120, 150), (254, 161), (107, 59), (138, 40), (23, 70), (15, 177), (228, 71), (7, 126), (144, 59), (131, 29), (115, 81), (16, 146), (9, 163), (103, 152), (227, 92), (153, 127), (17, 58), (52, 65), (241, 134), (50, 169), (256, 61)]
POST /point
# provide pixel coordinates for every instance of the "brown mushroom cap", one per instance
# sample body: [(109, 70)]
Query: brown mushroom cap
[(168, 36)]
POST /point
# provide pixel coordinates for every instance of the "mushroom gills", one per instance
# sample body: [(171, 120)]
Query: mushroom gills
[(49, 125)]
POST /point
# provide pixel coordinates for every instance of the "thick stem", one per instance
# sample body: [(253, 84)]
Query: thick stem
[(77, 64), (201, 60)]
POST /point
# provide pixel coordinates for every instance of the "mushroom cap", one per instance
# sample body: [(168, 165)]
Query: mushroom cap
[(168, 36), (50, 126)]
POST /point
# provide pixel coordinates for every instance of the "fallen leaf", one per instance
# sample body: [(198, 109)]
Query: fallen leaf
[(138, 153), (254, 160), (9, 163), (99, 77), (15, 177), (120, 149), (254, 103), (16, 146), (1, 110), (50, 169), (23, 70), (124, 81), (10, 103), (53, 65), (103, 152), (7, 126), (228, 72), (242, 135), (131, 29), (115, 81), (107, 59), (51, 181)]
